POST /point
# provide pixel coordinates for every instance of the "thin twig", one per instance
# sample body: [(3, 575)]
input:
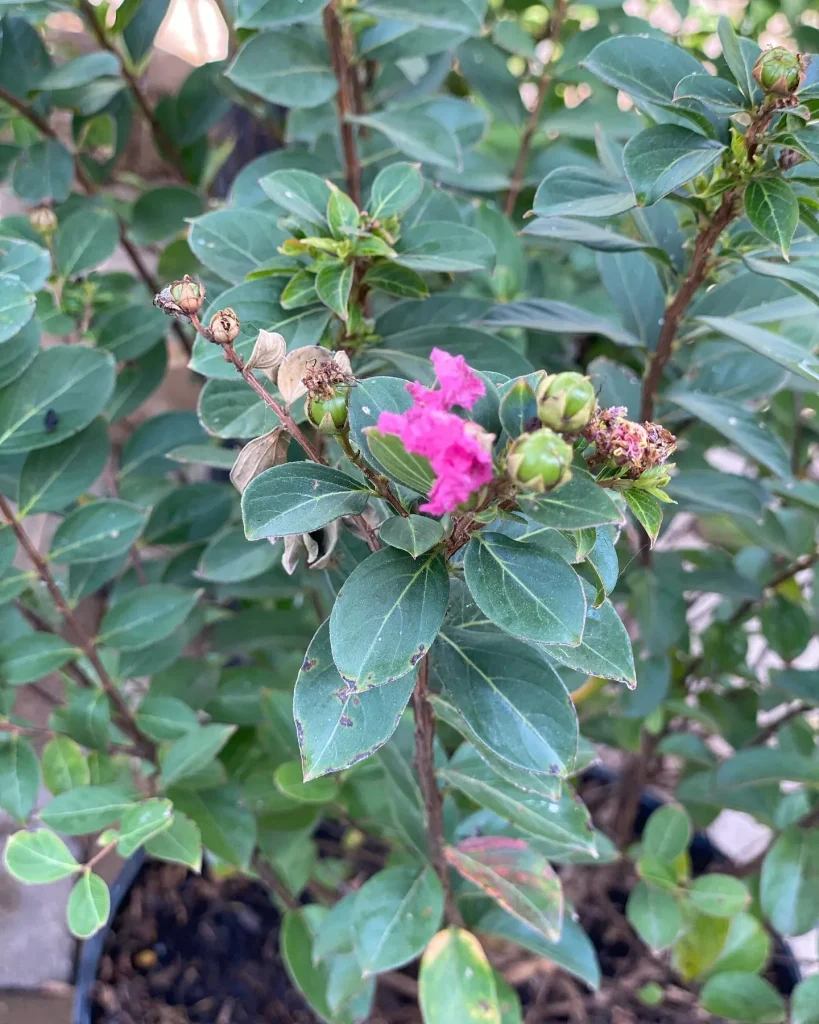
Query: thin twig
[(345, 98), (771, 729), (533, 121), (378, 481), (433, 806), (99, 855), (125, 720), (164, 143), (270, 879)]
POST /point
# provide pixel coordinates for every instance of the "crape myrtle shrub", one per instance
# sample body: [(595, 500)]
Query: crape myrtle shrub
[(447, 343)]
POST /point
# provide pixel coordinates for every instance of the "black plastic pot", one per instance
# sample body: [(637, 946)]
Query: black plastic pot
[(704, 855)]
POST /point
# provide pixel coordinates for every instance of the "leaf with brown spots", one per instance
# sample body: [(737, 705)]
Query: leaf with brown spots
[(456, 983)]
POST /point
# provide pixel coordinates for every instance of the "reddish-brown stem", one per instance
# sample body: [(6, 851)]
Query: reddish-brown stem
[(99, 855), (533, 121), (381, 484), (345, 97), (433, 806), (122, 713)]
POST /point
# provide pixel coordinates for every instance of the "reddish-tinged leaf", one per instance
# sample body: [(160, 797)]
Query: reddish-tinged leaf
[(517, 877)]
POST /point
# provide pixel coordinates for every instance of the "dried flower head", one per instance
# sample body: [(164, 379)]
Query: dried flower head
[(224, 326), (316, 364), (188, 294), (622, 443)]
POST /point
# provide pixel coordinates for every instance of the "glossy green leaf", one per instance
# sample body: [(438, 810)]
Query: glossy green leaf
[(299, 192), (301, 75), (775, 347), (743, 997), (654, 914), (333, 284), (22, 258), (131, 331), (52, 478), (87, 809), (267, 13), (788, 890), (394, 190), (181, 843), (193, 751), (16, 305), (388, 451), (19, 776), (556, 318), (299, 931), (88, 905), (634, 286), (663, 157), (576, 505), (772, 208), (435, 14), (193, 512), (514, 702), (39, 857), (444, 248), (416, 135), (232, 244), (582, 192), (337, 729), (667, 833), (146, 616), (718, 94), (142, 822), (394, 280), (84, 240), (647, 511), (160, 213), (101, 529), (525, 591), (413, 534), (719, 895), (396, 913), (456, 982), (516, 876), (32, 656), (64, 766), (298, 497), (386, 617), (227, 827), (740, 56), (231, 558), (73, 383), (605, 649), (805, 1001), (44, 173), (647, 69), (230, 409)]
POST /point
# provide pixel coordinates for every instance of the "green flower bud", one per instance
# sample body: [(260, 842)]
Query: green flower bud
[(540, 462), (566, 402), (43, 220), (330, 414), (188, 294), (779, 70)]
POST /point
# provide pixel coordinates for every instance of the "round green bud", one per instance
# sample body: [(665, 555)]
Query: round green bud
[(779, 71), (330, 414), (566, 402), (540, 461)]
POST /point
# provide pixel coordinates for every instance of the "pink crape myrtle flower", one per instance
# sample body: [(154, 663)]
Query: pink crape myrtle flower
[(459, 452)]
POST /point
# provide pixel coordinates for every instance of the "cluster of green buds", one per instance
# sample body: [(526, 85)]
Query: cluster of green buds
[(779, 71)]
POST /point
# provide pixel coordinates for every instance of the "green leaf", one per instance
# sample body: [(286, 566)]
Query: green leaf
[(230, 409), (71, 382), (461, 15), (43, 173), (387, 451), (267, 13), (39, 857), (647, 511), (161, 213), (786, 626), (64, 765), (593, 236), (456, 982), (337, 729), (144, 451), (16, 305), (190, 513), (805, 1001), (413, 534), (772, 208), (147, 615), (717, 94), (605, 649), (300, 76), (299, 931), (99, 530), (23, 259), (298, 497), (795, 276), (386, 617), (527, 592), (740, 56), (576, 505), (517, 877), (573, 952), (180, 844), (632, 281), (743, 997), (88, 905), (740, 426), (647, 69), (776, 347), (80, 71), (396, 913), (718, 895), (194, 751), (417, 135), (564, 823), (333, 283), (502, 689), (231, 558), (655, 914), (556, 318), (667, 833), (395, 280), (19, 776), (88, 718), (52, 478), (142, 822), (582, 192), (299, 192), (228, 828), (757, 765), (84, 240), (395, 189), (663, 157), (232, 244), (444, 248), (136, 382), (602, 560), (34, 655), (90, 809), (143, 26), (131, 331), (788, 891)]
